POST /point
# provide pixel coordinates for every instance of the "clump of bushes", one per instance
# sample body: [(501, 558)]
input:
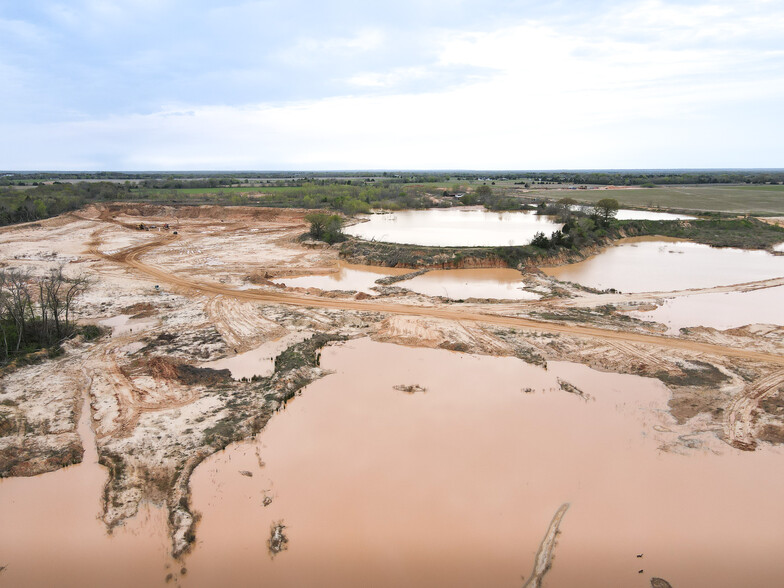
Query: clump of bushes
[(326, 227)]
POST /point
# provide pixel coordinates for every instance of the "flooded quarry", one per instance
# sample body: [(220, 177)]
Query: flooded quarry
[(502, 445), (470, 226), (241, 406), (655, 264), (499, 284), (348, 277), (720, 310), (350, 471), (453, 227)]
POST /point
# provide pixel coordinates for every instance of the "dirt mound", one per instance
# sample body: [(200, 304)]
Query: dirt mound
[(163, 368), (140, 310)]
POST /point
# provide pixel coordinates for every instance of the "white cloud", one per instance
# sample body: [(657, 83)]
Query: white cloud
[(307, 50), (684, 92), (396, 77)]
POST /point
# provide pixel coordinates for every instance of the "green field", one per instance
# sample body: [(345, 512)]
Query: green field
[(225, 190), (764, 199)]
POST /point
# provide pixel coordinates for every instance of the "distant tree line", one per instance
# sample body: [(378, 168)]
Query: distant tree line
[(46, 200), (300, 178), (650, 179)]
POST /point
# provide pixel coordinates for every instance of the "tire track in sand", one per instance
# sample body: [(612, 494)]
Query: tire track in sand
[(738, 423)]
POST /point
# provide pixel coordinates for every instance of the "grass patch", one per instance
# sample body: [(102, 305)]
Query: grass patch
[(746, 233)]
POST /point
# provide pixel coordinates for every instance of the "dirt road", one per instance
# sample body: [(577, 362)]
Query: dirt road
[(131, 257)]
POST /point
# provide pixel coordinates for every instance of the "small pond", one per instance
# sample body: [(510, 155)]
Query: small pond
[(470, 227), (503, 284), (720, 310), (360, 278), (454, 227)]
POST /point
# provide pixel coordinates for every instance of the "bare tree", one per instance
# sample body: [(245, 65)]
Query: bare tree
[(37, 310), (57, 297)]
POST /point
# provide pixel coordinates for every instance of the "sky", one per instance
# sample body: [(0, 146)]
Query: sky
[(129, 85)]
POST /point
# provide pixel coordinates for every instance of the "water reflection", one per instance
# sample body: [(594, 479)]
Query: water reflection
[(722, 310), (471, 227), (659, 265), (360, 278), (51, 534), (454, 227), (456, 486), (504, 284)]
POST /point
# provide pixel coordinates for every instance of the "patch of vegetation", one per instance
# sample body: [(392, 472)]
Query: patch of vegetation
[(191, 375), (326, 227), (36, 312), (47, 200), (305, 354), (91, 332), (416, 256), (745, 233), (695, 373)]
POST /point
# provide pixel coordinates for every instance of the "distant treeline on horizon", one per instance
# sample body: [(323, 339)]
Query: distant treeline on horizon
[(217, 179)]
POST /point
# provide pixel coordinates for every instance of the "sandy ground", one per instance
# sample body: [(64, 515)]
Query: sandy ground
[(204, 294)]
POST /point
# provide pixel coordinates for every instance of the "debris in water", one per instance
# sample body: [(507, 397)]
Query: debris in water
[(544, 556), (639, 555), (410, 389), (659, 583), (278, 541), (572, 389), (246, 473), (267, 500)]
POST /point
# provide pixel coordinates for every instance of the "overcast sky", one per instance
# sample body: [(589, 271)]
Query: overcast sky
[(414, 84)]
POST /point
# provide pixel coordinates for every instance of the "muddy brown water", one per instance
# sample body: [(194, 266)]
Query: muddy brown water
[(51, 534), (470, 226), (502, 284), (454, 227), (661, 265), (720, 310), (454, 486), (347, 277), (259, 361)]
